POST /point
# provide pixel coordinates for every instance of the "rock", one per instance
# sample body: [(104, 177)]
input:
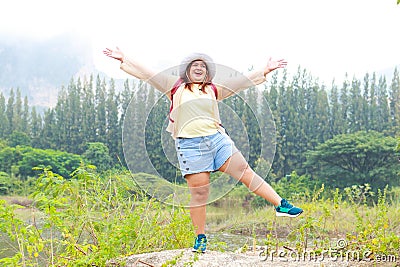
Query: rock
[(185, 258)]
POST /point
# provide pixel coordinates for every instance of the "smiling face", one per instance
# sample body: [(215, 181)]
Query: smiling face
[(197, 71)]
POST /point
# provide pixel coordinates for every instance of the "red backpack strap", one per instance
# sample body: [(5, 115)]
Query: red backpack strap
[(215, 90), (216, 98), (173, 91), (176, 86)]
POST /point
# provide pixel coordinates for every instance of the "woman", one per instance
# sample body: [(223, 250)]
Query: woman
[(201, 143)]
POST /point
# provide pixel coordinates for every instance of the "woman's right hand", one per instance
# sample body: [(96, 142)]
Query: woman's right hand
[(116, 53)]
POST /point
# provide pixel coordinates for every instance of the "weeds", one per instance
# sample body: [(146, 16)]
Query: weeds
[(94, 220), (361, 220), (88, 220)]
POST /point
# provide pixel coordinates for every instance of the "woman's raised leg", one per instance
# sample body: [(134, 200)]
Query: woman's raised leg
[(237, 167)]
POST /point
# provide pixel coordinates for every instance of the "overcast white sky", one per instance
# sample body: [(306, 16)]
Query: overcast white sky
[(328, 38)]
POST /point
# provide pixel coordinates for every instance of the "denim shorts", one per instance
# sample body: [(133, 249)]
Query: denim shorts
[(205, 153)]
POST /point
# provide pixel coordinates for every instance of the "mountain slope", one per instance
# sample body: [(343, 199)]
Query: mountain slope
[(40, 68)]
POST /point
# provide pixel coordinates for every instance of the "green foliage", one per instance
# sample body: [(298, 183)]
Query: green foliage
[(60, 162), (27, 238), (263, 166), (304, 113), (98, 154), (20, 161), (293, 186), (18, 139), (394, 195), (334, 225), (359, 158), (3, 144), (9, 157), (11, 185), (371, 232), (296, 186), (89, 220), (359, 193), (5, 184)]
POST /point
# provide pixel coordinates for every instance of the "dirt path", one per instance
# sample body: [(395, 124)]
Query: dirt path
[(185, 258)]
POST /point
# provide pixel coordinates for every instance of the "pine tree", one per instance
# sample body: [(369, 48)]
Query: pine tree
[(344, 111), (3, 117), (322, 118), (10, 113), (298, 110), (159, 144), (335, 118), (61, 120), (365, 120), (373, 103), (280, 164), (36, 128), (268, 123), (126, 96), (100, 105), (74, 118), (249, 118), (25, 117), (128, 123), (394, 98), (231, 113), (17, 112), (382, 105), (134, 131), (304, 122), (302, 111), (140, 123), (355, 105), (88, 112), (113, 133), (48, 131)]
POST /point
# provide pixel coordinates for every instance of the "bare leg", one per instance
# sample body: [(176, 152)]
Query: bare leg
[(237, 167), (199, 186)]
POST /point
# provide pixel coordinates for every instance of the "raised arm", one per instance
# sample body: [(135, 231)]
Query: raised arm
[(161, 81), (231, 86)]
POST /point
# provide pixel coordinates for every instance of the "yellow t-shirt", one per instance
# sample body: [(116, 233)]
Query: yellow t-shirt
[(196, 113)]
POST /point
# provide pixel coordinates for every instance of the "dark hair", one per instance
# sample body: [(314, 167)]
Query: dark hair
[(189, 83)]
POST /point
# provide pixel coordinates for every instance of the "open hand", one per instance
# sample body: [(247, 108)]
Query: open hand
[(274, 64), (116, 53)]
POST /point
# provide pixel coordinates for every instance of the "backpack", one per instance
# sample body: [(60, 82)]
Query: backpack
[(177, 84)]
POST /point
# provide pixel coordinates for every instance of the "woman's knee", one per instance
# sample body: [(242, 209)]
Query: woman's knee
[(200, 194), (243, 170), (237, 166)]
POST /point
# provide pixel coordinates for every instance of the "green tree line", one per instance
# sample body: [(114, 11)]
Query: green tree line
[(304, 112)]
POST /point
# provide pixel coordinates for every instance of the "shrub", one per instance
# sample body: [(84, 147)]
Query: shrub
[(89, 219)]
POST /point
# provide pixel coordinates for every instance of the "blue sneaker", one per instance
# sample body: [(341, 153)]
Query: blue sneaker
[(200, 243), (287, 209)]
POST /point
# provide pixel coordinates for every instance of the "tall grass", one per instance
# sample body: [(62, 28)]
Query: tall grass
[(98, 220), (90, 220), (364, 221)]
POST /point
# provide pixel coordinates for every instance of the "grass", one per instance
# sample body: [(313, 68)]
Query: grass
[(88, 219), (375, 228)]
